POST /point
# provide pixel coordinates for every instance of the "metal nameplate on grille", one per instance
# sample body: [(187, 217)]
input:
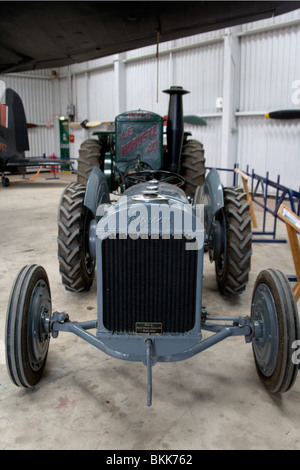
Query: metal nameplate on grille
[(148, 328)]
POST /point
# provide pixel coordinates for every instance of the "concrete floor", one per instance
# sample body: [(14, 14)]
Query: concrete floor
[(87, 400)]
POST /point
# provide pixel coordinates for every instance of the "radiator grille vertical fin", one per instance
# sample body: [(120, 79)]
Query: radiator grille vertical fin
[(148, 280)]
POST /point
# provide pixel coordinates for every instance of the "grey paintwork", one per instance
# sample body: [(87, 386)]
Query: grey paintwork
[(97, 191), (148, 348), (211, 196)]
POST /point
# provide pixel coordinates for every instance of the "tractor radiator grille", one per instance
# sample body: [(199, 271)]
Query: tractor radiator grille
[(148, 281)]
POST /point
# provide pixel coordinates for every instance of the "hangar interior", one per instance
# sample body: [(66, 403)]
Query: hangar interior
[(234, 76), (88, 400)]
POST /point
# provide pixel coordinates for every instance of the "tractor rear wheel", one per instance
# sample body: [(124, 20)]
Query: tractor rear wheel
[(192, 165), (76, 265), (234, 262), (89, 157)]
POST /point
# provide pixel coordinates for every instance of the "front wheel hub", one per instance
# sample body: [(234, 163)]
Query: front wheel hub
[(38, 325), (266, 336)]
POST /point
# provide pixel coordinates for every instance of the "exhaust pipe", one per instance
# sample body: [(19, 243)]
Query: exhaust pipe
[(175, 127)]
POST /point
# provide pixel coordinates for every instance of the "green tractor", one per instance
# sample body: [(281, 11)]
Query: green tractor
[(132, 150)]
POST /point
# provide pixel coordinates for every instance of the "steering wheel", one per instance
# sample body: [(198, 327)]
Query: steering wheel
[(137, 166), (142, 176)]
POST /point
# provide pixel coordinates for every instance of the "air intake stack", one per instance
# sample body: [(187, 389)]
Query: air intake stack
[(175, 127)]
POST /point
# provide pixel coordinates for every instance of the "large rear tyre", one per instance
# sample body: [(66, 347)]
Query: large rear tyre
[(192, 165), (89, 157), (76, 265), (27, 333), (234, 261), (275, 316)]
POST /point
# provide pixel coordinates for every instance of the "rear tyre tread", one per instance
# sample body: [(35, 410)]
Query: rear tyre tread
[(232, 279), (89, 157), (193, 165), (76, 276)]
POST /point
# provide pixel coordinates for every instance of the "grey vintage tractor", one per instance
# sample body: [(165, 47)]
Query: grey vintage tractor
[(132, 152), (149, 248)]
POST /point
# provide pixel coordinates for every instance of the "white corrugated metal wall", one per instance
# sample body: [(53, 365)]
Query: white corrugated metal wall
[(261, 70), (269, 66)]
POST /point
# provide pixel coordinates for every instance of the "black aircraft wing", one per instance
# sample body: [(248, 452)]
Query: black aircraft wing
[(13, 163), (43, 34), (284, 114), (16, 165)]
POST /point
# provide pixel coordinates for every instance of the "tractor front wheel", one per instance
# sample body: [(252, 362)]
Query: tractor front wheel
[(27, 334), (274, 315)]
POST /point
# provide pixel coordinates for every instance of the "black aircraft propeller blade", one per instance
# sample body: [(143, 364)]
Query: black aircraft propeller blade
[(284, 114)]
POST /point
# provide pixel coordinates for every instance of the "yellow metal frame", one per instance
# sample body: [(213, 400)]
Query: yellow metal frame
[(292, 222)]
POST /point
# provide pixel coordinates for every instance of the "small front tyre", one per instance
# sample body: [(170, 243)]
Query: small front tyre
[(274, 314), (27, 333)]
